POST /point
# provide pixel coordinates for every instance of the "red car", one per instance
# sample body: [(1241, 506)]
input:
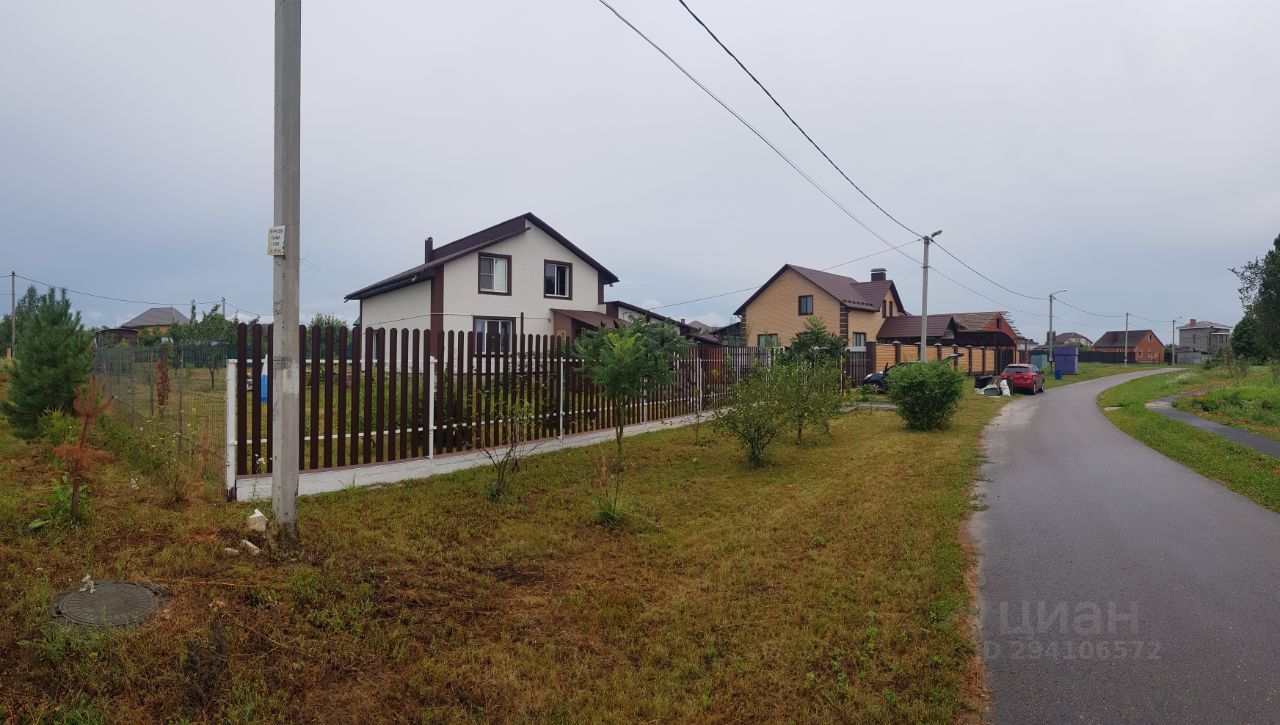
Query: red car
[(1024, 377)]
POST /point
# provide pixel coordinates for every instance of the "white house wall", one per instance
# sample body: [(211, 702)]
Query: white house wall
[(407, 307), (528, 251)]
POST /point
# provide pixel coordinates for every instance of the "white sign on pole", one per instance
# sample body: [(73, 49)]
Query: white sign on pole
[(275, 241)]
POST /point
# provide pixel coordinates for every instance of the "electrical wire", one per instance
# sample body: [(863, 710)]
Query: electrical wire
[(106, 297), (792, 119)]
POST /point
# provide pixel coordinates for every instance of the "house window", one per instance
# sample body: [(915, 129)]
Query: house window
[(884, 308), (495, 274), (860, 339), (557, 279), (492, 334), (804, 305), (890, 303), (768, 339)]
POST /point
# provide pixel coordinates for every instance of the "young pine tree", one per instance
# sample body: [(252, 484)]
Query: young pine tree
[(53, 360)]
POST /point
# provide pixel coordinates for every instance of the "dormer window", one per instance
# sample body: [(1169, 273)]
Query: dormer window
[(557, 279), (495, 274)]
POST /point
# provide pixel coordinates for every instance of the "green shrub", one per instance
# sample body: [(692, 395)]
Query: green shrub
[(810, 394), (755, 412), (927, 394), (58, 511)]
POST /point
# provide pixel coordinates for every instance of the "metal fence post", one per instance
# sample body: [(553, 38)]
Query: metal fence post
[(560, 435), (231, 429), (182, 376), (431, 406)]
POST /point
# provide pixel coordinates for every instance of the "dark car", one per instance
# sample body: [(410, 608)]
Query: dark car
[(880, 380), (1024, 377)]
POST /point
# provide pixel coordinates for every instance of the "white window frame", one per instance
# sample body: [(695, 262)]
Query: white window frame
[(481, 327), (497, 282)]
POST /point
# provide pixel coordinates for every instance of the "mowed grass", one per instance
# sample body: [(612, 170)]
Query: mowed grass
[(827, 586), (1241, 469)]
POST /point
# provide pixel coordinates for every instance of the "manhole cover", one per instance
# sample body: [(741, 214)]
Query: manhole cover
[(110, 604)]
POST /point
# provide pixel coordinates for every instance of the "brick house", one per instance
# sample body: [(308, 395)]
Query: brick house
[(1144, 345)]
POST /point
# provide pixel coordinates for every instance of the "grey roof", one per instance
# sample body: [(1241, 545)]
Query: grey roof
[(1115, 338), (1062, 337), (1203, 324), (157, 316), (471, 243)]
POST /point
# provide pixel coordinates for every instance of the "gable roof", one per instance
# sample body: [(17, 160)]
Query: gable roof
[(474, 242), (908, 326), (1064, 336), (1115, 338), (157, 316), (695, 330), (974, 321), (846, 290)]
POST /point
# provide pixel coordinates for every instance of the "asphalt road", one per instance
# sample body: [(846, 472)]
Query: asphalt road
[(1117, 585)]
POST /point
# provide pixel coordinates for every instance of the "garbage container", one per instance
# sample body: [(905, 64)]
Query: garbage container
[(1057, 373)]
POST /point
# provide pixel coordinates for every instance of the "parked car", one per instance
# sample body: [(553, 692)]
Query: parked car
[(1024, 377), (880, 380)]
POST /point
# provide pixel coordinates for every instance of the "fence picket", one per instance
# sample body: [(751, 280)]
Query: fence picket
[(341, 410), (255, 404), (242, 434), (328, 397)]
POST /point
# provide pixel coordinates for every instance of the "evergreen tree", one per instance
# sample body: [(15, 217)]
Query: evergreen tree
[(53, 360)]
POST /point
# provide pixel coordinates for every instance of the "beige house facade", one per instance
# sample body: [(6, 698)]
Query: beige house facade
[(851, 309)]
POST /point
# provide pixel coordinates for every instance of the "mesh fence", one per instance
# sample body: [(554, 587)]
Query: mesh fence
[(182, 387)]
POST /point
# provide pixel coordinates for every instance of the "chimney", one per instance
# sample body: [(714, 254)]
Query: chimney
[(1193, 321), (878, 274), (430, 246), (682, 320)]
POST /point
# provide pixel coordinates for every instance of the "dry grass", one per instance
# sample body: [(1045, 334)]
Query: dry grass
[(828, 585)]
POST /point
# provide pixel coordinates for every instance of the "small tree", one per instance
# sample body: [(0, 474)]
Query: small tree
[(516, 419), (810, 394), (814, 345), (162, 379), (1246, 339), (78, 458), (206, 341), (755, 413), (927, 394), (628, 362), (53, 360)]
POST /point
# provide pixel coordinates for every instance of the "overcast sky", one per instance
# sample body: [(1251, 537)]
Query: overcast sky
[(1125, 151)]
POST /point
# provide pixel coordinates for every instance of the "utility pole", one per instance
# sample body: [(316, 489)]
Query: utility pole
[(924, 297), (13, 313), (1126, 338), (1173, 342), (222, 305), (284, 306), (1053, 336)]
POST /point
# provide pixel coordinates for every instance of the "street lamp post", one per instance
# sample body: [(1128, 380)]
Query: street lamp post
[(924, 296)]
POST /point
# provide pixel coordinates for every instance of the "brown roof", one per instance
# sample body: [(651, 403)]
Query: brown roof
[(846, 290), (973, 321), (693, 330), (908, 326), (590, 317), (471, 243), (1115, 338)]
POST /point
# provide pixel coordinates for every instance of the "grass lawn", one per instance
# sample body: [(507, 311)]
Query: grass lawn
[(829, 585), (1241, 469), (1251, 403), (1091, 371)]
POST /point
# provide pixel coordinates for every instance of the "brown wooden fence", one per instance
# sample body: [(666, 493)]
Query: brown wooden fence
[(380, 395)]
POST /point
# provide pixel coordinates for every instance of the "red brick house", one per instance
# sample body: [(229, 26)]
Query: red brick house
[(1142, 344)]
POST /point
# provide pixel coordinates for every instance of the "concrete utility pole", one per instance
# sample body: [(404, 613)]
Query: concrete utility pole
[(1173, 342), (1126, 338), (284, 307), (1053, 335), (13, 313), (924, 297)]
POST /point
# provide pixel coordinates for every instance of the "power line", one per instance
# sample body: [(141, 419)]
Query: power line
[(753, 129), (980, 274), (107, 297), (792, 119), (1087, 312)]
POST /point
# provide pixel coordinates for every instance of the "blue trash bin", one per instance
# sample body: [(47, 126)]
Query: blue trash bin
[(1057, 373)]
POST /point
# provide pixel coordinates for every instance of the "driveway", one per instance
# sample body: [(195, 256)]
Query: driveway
[(1117, 585)]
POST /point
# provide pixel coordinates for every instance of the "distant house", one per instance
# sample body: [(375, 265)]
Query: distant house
[(1072, 338), (155, 321), (854, 310), (520, 276), (1203, 336), (1144, 345)]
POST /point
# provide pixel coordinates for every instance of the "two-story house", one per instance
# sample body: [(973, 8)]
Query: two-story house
[(1203, 336), (851, 309), (517, 277)]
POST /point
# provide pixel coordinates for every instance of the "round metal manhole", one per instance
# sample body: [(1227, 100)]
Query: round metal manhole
[(109, 604)]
